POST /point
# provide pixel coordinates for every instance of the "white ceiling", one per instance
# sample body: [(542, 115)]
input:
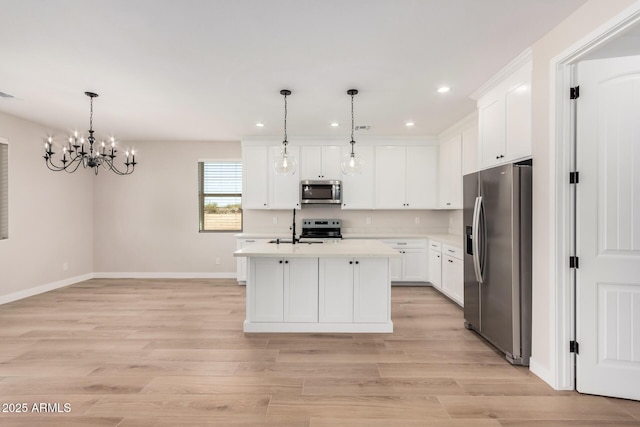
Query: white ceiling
[(211, 69)]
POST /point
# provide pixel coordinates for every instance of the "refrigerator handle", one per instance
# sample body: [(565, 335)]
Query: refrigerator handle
[(482, 243), (475, 238)]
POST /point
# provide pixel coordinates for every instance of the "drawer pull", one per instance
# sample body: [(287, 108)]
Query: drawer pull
[(453, 252), (449, 260), (400, 243), (250, 241)]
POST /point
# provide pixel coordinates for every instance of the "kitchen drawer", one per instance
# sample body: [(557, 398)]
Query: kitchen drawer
[(452, 251), (406, 243), (434, 245)]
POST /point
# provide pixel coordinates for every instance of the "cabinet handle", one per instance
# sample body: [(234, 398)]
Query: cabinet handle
[(497, 157), (357, 262), (280, 261), (350, 262), (453, 252), (401, 243), (449, 260), (250, 241), (438, 256), (448, 204), (286, 262)]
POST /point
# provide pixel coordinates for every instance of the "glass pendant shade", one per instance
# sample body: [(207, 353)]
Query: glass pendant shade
[(285, 164), (351, 165)]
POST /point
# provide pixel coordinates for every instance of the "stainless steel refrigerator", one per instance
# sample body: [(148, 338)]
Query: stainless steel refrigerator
[(497, 259)]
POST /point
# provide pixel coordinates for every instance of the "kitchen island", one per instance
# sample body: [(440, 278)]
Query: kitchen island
[(336, 286)]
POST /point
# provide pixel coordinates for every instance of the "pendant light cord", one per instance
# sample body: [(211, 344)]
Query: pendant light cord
[(285, 142), (352, 126)]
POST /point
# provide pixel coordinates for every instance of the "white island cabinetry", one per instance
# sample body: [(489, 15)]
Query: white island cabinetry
[(334, 287)]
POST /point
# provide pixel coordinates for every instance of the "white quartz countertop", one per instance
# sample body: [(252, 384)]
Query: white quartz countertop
[(365, 248), (451, 239)]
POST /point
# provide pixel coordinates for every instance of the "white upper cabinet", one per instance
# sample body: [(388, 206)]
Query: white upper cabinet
[(406, 177), (470, 148), (358, 190), (450, 194), (320, 162), (254, 177), (262, 187), (505, 115)]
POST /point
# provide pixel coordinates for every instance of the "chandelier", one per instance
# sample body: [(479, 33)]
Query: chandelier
[(76, 153), (351, 165), (285, 164)]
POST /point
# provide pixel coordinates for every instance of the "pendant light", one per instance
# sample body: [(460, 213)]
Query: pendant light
[(285, 164), (351, 165)]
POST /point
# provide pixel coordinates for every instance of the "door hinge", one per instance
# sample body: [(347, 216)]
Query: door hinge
[(574, 347), (574, 92), (574, 177), (574, 262)]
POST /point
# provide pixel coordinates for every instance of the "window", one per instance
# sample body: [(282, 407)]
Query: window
[(220, 193), (4, 189)]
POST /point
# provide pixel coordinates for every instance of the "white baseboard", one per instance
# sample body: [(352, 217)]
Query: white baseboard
[(163, 275), (543, 373), (15, 296)]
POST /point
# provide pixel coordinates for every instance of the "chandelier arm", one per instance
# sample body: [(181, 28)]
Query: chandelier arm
[(78, 163)]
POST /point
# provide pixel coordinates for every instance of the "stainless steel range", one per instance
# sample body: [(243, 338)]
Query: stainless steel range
[(314, 229)]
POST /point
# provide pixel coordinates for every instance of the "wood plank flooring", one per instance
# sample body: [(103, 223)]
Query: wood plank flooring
[(172, 353)]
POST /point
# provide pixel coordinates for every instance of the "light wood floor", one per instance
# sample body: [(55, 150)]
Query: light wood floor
[(172, 353)]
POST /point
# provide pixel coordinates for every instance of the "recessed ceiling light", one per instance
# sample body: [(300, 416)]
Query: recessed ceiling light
[(335, 124), (409, 124), (260, 124), (444, 89)]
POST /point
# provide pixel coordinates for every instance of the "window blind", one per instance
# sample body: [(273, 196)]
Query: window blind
[(220, 196)]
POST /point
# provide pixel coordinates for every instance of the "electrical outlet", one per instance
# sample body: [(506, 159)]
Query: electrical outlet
[(65, 266), (217, 261), (275, 219), (368, 220), (417, 220)]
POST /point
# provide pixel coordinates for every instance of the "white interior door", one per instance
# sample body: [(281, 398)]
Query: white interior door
[(608, 228)]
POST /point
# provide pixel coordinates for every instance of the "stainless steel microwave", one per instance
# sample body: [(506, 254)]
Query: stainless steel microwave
[(321, 192)]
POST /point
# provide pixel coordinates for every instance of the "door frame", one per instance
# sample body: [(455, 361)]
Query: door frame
[(562, 211)]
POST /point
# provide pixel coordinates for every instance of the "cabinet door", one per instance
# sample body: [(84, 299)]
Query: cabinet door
[(450, 183), (372, 289), (492, 130), (518, 121), (395, 268), (266, 277), (421, 177), (453, 278), (331, 157), (435, 268), (414, 265), (311, 162), (284, 189), (255, 161), (390, 189), (301, 290), (470, 149), (335, 290), (358, 190)]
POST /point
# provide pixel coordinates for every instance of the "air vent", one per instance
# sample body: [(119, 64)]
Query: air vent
[(362, 127), (6, 95)]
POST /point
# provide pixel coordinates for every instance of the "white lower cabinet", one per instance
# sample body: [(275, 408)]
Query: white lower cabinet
[(412, 264), (354, 290), (453, 273), (435, 268), (267, 278), (301, 290), (335, 285), (284, 290)]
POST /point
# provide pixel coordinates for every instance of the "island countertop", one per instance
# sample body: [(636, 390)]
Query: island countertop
[(365, 248)]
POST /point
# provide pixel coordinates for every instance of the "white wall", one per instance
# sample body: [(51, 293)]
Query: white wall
[(50, 217), (147, 222), (585, 20)]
